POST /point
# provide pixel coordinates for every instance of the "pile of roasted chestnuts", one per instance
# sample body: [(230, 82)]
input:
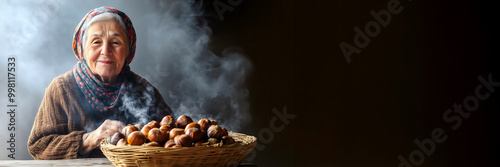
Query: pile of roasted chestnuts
[(171, 133)]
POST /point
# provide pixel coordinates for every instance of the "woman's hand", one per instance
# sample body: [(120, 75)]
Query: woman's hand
[(93, 139)]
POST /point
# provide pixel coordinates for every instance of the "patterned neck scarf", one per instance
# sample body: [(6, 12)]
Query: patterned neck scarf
[(102, 97)]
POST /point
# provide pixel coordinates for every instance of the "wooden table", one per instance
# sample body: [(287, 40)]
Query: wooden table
[(73, 162), (64, 162)]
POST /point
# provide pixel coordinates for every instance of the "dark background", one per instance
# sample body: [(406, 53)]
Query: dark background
[(369, 111)]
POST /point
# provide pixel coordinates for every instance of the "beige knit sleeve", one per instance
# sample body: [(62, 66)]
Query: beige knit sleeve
[(50, 136)]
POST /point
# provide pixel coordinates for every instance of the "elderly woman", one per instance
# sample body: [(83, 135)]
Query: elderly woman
[(99, 96)]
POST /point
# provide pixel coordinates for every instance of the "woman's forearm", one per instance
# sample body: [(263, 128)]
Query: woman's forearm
[(55, 146)]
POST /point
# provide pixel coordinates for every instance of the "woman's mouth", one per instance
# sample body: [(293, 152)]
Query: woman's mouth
[(105, 62)]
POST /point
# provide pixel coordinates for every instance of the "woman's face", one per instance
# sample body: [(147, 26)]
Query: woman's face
[(106, 49)]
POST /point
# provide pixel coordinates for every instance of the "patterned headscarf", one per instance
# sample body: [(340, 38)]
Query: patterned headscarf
[(102, 97)]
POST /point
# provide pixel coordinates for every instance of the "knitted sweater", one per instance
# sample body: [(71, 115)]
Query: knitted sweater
[(64, 116)]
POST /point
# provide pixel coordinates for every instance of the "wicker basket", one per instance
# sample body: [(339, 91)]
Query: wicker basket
[(215, 155)]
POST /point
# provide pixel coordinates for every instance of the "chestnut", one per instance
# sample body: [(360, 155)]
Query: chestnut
[(192, 125), (164, 130), (116, 137), (122, 142), (214, 122), (108, 139), (145, 130), (167, 145), (183, 140), (154, 124), (139, 126), (168, 121), (195, 134), (128, 129), (183, 120), (228, 140), (215, 131), (151, 144), (165, 127), (155, 135), (197, 144), (204, 124), (170, 141), (176, 146), (175, 132), (224, 132), (213, 141), (136, 138)]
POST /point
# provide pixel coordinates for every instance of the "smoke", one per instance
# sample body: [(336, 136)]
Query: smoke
[(198, 83), (172, 53), (138, 105)]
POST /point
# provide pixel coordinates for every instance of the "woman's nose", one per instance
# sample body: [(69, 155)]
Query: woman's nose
[(106, 49)]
